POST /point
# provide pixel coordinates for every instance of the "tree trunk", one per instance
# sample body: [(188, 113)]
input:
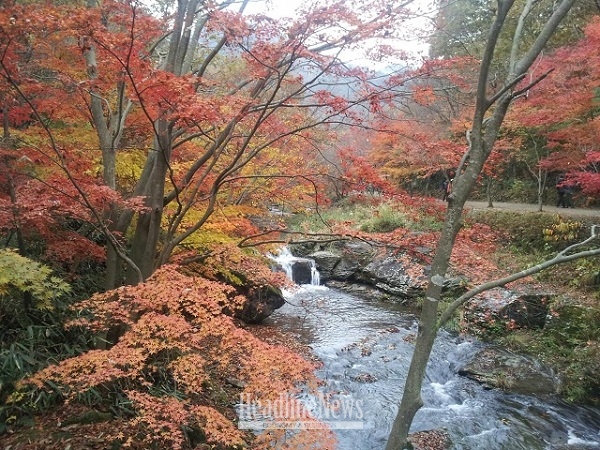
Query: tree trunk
[(411, 397), (488, 191), (5, 121), (542, 176), (484, 132), (148, 227)]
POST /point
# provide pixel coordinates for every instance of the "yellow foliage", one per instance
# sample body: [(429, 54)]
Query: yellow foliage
[(129, 164), (562, 231), (25, 275)]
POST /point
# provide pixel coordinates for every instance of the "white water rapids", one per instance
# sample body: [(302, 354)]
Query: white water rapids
[(365, 347)]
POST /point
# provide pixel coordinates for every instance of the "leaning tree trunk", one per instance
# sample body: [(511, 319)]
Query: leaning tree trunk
[(411, 397), (481, 141)]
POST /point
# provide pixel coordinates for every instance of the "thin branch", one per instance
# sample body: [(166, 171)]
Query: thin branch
[(63, 167), (530, 85), (508, 87)]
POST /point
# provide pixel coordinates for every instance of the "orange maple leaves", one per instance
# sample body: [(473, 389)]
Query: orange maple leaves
[(176, 335)]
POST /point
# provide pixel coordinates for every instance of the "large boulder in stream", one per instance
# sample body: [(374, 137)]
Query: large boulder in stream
[(393, 275), (496, 367), (360, 262), (354, 255)]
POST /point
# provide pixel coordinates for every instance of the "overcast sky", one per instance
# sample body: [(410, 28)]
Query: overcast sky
[(275, 8), (287, 8)]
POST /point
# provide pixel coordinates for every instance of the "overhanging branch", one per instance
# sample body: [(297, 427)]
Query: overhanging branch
[(560, 258)]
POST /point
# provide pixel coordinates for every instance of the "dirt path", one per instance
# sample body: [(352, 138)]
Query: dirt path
[(525, 207)]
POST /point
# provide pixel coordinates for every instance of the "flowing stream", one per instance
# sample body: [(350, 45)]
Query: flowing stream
[(366, 346)]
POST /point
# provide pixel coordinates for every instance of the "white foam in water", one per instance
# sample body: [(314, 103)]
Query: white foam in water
[(286, 260), (439, 390), (459, 407), (574, 440), (483, 433), (305, 288)]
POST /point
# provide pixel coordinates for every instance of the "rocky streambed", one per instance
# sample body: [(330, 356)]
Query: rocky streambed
[(482, 396)]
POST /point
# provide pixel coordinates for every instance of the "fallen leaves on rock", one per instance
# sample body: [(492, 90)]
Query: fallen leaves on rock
[(430, 440)]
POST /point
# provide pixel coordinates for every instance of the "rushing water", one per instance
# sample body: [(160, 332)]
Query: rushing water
[(365, 347)]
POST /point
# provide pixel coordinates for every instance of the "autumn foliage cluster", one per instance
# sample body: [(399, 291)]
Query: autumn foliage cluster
[(167, 365), (550, 131), (141, 144), (138, 146)]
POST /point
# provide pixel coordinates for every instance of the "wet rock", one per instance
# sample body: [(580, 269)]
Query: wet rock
[(345, 269), (359, 251), (353, 256), (361, 290), (391, 275), (325, 262), (261, 303), (499, 368), (303, 249), (523, 310), (302, 271)]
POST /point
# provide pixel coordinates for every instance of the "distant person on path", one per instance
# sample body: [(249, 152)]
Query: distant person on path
[(568, 197), (447, 185), (560, 190), (565, 194)]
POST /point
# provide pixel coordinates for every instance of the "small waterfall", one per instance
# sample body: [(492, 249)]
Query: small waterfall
[(315, 279), (299, 270)]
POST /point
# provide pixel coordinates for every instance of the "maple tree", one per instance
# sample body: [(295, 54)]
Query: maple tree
[(431, 121), (176, 343), (564, 111), (144, 142), (182, 117), (131, 139)]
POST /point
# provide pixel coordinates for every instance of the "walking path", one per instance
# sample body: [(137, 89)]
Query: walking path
[(527, 207)]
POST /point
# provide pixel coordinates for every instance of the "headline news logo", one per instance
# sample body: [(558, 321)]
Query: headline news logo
[(286, 412)]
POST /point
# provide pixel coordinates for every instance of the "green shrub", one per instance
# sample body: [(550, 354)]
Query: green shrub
[(526, 233), (33, 308), (384, 219), (22, 277)]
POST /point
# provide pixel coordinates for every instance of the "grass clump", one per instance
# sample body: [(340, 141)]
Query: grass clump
[(369, 217), (384, 219), (523, 232)]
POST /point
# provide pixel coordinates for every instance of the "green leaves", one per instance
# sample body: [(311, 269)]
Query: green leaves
[(27, 276)]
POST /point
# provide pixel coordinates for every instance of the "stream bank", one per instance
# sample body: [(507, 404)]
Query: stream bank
[(528, 316)]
